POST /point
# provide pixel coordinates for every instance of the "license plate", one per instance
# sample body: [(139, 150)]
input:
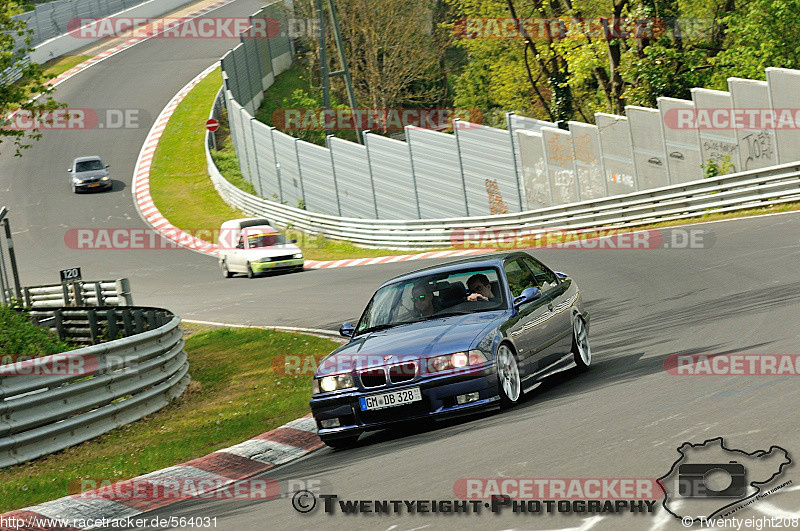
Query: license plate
[(94, 185), (393, 399)]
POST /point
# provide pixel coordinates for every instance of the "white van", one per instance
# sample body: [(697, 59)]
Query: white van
[(253, 246)]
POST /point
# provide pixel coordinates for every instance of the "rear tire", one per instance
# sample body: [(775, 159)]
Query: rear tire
[(341, 443), (225, 271), (581, 351), (508, 380)]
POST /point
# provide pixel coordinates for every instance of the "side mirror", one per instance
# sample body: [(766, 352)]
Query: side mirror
[(108, 166), (560, 275), (527, 295), (240, 246), (294, 240), (69, 170), (347, 329)]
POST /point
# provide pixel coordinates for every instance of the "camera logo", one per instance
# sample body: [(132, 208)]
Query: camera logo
[(703, 480), (709, 480)]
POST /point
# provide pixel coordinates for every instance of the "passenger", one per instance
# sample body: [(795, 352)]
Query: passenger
[(481, 289)]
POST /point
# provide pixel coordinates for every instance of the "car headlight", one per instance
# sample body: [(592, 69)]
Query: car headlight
[(332, 383), (459, 360), (78, 181), (104, 178), (298, 255)]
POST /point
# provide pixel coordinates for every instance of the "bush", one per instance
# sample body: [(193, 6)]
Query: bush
[(21, 338)]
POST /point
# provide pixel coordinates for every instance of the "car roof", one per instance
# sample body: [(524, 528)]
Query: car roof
[(259, 229), (485, 260), (85, 159), (238, 222)]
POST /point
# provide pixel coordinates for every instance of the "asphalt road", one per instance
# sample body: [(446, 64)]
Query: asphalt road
[(625, 418)]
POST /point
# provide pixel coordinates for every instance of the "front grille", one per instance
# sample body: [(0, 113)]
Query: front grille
[(373, 377), (402, 372), (285, 257)]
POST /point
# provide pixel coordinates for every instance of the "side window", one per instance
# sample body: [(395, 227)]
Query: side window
[(545, 278), (518, 277)]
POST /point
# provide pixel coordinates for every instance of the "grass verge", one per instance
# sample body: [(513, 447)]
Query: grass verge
[(235, 394), (179, 182), (60, 65)]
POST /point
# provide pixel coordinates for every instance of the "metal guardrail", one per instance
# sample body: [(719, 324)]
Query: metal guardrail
[(57, 401), (725, 193), (98, 324), (80, 293)]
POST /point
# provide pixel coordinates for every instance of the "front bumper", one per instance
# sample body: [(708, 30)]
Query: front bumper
[(99, 185), (262, 267), (438, 399)]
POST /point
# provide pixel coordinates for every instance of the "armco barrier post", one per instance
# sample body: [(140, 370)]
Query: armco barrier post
[(124, 297)]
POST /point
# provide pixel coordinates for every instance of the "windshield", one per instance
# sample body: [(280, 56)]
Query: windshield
[(440, 295), (257, 241), (89, 165)]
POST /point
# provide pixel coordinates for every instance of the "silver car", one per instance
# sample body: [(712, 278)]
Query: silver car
[(89, 173)]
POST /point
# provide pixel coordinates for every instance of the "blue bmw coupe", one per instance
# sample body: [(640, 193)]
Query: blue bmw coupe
[(448, 340)]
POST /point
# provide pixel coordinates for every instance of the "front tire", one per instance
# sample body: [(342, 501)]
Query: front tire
[(581, 350), (508, 380), (250, 273)]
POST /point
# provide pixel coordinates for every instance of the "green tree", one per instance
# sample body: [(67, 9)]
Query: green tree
[(15, 44), (760, 34)]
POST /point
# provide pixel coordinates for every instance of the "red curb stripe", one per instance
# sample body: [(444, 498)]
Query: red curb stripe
[(293, 437), (229, 465)]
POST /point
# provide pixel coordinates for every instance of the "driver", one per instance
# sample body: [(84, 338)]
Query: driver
[(480, 288), (422, 297)]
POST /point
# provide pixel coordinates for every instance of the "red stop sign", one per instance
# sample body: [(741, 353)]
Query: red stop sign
[(212, 125)]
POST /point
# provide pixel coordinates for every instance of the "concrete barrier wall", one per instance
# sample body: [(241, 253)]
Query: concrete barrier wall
[(588, 161), (66, 43), (716, 144), (756, 144), (534, 170), (648, 147), (681, 143), (560, 161), (615, 146)]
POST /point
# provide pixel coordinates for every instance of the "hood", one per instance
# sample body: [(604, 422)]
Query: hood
[(412, 341), (270, 252), (91, 175)]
